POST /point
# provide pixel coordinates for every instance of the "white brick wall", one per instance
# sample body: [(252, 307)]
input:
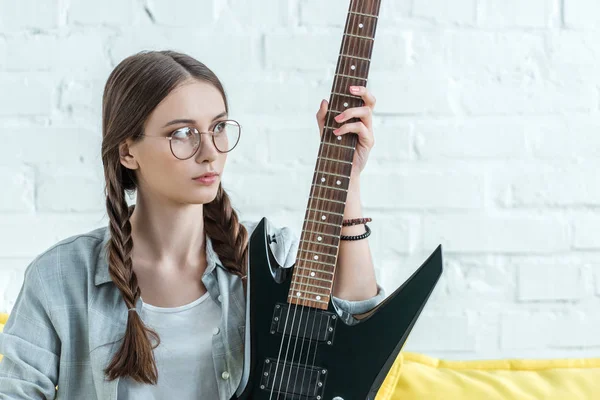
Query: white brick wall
[(486, 141)]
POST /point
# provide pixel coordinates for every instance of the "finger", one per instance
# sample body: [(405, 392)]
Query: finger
[(321, 113), (354, 127), (366, 95), (364, 113)]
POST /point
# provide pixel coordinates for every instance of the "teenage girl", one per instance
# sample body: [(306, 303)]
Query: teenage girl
[(100, 318)]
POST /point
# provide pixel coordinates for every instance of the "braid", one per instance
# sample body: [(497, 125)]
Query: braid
[(135, 357), (228, 236)]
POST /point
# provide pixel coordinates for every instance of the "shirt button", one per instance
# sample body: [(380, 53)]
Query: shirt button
[(225, 375), (220, 298), (216, 331)]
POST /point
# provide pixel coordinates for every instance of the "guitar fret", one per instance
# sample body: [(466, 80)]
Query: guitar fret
[(308, 284), (324, 223), (313, 270), (336, 111), (358, 36), (315, 278), (347, 95), (313, 242), (320, 198), (331, 173), (305, 292), (357, 57), (333, 159), (353, 77), (364, 15), (330, 187), (338, 145), (318, 252), (304, 299), (318, 262), (328, 212)]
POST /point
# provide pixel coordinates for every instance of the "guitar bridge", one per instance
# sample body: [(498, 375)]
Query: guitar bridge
[(295, 381), (303, 322)]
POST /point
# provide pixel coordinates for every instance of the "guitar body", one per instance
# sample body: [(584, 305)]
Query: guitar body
[(326, 359)]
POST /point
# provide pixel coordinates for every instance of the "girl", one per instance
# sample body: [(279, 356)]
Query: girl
[(80, 328)]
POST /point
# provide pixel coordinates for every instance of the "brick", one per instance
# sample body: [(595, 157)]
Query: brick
[(18, 188), (71, 145), (27, 235), (458, 334), (393, 142), (495, 55), (526, 330), (515, 13), (50, 52), (323, 13), (430, 82), (475, 138), (536, 186), (180, 13), (477, 233), (12, 271), (582, 14), (305, 51), (585, 232), (109, 12), (573, 47), (548, 282), (18, 15), (248, 15), (547, 138), (422, 189), (459, 12), (55, 194), (26, 95)]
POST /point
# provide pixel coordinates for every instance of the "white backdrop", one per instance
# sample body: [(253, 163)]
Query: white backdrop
[(486, 132)]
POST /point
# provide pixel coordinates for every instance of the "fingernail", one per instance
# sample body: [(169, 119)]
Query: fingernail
[(354, 88)]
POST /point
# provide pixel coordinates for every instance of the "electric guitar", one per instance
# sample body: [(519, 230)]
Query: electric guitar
[(297, 348)]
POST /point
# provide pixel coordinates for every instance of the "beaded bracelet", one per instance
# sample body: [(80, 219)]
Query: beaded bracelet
[(356, 221), (358, 237)]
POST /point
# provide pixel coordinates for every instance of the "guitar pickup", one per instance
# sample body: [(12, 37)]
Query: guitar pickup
[(303, 322)]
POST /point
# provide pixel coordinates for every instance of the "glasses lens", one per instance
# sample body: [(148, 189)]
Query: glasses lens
[(226, 135), (184, 142)]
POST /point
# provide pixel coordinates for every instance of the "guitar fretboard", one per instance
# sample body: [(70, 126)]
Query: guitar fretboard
[(314, 273)]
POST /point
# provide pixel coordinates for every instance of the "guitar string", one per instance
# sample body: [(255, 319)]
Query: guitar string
[(315, 312), (353, 138)]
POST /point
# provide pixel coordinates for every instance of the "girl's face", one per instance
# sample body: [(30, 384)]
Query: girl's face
[(193, 104)]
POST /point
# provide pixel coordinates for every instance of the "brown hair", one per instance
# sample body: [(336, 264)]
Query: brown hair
[(134, 88)]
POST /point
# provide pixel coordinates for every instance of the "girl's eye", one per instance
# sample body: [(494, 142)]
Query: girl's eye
[(182, 133), (220, 127)]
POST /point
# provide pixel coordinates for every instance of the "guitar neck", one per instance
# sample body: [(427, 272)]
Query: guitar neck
[(314, 272)]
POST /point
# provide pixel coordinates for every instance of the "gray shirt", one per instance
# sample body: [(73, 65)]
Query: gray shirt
[(69, 320), (184, 361)]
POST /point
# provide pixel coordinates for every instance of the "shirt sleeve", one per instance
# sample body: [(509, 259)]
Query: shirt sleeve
[(346, 309), (29, 344)]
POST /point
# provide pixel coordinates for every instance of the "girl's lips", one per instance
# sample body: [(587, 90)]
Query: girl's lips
[(207, 179)]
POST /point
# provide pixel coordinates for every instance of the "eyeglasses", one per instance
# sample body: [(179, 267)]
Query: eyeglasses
[(185, 141)]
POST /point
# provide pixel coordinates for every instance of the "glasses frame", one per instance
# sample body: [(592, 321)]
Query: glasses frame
[(196, 131)]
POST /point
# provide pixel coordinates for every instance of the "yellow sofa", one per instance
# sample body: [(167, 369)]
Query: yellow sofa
[(416, 376)]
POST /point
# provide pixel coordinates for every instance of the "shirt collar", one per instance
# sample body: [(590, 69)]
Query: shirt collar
[(102, 275)]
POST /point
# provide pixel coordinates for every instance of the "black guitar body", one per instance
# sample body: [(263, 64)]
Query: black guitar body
[(325, 358)]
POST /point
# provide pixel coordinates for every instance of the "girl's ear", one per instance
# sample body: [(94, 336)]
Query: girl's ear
[(125, 157)]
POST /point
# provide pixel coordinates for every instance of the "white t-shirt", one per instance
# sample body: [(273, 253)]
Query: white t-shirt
[(184, 357)]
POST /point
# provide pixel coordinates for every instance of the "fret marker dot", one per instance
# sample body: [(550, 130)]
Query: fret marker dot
[(322, 179), (312, 274), (316, 257), (353, 67), (298, 294), (360, 26), (338, 182), (318, 297), (323, 217), (345, 104), (319, 238), (340, 137)]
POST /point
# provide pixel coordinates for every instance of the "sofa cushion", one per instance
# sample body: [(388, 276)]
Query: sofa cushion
[(417, 376)]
